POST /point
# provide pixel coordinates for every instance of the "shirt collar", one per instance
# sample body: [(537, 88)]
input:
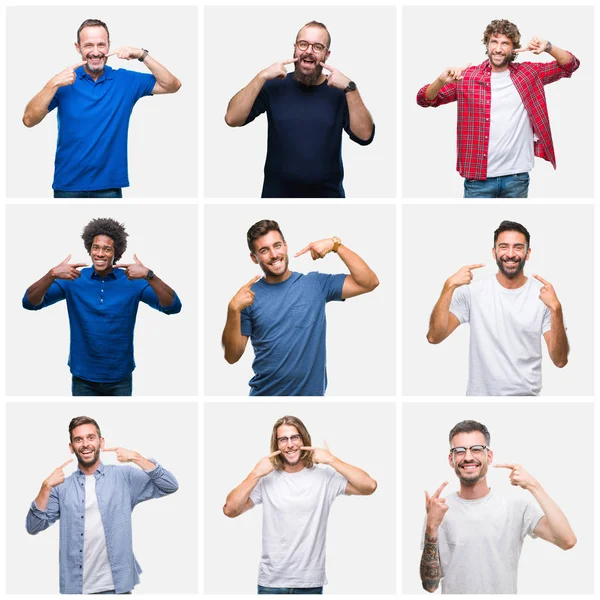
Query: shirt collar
[(94, 275), (487, 66), (97, 473), (108, 74)]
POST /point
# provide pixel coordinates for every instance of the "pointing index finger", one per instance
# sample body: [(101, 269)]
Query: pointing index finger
[(66, 463), (504, 466), (328, 67), (303, 251), (111, 449), (476, 266), (289, 61), (253, 281), (306, 448), (439, 490), (541, 279), (79, 64), (274, 453)]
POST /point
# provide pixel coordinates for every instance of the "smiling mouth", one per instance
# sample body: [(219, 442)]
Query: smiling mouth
[(470, 466)]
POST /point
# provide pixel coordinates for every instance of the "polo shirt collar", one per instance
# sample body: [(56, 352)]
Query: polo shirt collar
[(108, 73)]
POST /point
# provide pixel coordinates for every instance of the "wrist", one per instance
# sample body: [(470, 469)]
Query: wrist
[(431, 531), (556, 309), (449, 285)]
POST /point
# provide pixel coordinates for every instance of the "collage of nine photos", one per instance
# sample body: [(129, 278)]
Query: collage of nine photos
[(360, 214)]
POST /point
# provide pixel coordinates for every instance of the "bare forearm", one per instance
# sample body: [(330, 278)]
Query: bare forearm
[(561, 56), (165, 79), (232, 340), (37, 291), (433, 89), (165, 294), (438, 322), (558, 345), (563, 535), (143, 463), (240, 105), (361, 121), (238, 497), (356, 477), (41, 500), (430, 562), (37, 108), (359, 269)]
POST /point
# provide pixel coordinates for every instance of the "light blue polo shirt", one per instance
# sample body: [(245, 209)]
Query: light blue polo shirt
[(93, 123)]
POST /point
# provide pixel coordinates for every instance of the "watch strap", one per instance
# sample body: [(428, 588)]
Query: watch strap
[(143, 56)]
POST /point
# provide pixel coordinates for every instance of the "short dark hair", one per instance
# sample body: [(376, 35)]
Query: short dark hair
[(468, 427), (503, 27), (317, 24), (259, 229), (77, 421), (92, 23), (511, 226), (109, 227)]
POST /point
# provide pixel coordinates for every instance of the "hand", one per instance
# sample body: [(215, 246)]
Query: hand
[(518, 475), (67, 77), (453, 74), (317, 249), (135, 270), (127, 53), (536, 45), (123, 455), (277, 70), (436, 507), (547, 294), (57, 476), (244, 296), (321, 456), (67, 271), (335, 78), (265, 465), (463, 276)]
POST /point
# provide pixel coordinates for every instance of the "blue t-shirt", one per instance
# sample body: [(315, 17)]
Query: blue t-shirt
[(93, 122), (304, 147), (286, 325), (102, 315)]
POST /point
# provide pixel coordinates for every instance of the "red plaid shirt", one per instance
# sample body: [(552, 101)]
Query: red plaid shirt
[(473, 94)]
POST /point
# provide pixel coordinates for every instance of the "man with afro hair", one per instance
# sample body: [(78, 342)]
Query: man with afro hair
[(102, 302)]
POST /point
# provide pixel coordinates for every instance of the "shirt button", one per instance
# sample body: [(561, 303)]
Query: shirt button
[(101, 300), (487, 119)]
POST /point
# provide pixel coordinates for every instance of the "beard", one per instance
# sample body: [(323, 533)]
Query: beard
[(89, 460), (310, 78), (510, 274), (474, 478), (291, 463), (507, 59), (268, 271), (95, 69)]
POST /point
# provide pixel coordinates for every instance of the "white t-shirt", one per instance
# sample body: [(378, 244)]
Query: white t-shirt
[(295, 512), (480, 541), (510, 149), (97, 574), (505, 350)]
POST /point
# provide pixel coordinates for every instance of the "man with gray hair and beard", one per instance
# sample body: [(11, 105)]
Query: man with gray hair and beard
[(473, 538), (306, 110), (296, 496)]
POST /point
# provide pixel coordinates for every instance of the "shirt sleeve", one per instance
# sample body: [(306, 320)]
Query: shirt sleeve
[(38, 520), (349, 132), (55, 100), (331, 285), (547, 322), (550, 72), (55, 293), (460, 305), (532, 513), (336, 484), (447, 94), (256, 493), (150, 298), (260, 105), (246, 322), (146, 485), (142, 84)]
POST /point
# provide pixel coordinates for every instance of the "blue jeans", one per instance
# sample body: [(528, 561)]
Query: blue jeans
[(83, 387), (268, 590), (506, 186), (109, 193)]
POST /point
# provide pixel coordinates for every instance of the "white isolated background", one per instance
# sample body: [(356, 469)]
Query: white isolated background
[(163, 145), (165, 346), (439, 239), (453, 38), (241, 41), (361, 537), (361, 357), (554, 443), (165, 542)]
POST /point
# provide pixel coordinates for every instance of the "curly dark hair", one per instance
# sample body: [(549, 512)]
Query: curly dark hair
[(502, 27), (109, 227)]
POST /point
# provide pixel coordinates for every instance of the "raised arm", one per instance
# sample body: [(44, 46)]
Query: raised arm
[(538, 45), (240, 105), (238, 500), (442, 322), (553, 526), (430, 95), (232, 340), (361, 279), (37, 108), (430, 568)]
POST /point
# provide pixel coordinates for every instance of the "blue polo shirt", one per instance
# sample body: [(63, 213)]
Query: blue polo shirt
[(102, 314), (93, 122)]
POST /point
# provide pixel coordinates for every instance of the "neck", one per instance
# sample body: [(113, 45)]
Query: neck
[(93, 74), (474, 492), (293, 468), (269, 278), (104, 273), (511, 284), (89, 469)]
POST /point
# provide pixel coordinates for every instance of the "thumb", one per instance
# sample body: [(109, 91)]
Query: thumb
[(325, 445), (67, 259), (137, 260)]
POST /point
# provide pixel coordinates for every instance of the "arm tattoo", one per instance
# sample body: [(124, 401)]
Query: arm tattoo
[(430, 564)]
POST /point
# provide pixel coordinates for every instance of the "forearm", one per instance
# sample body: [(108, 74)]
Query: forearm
[(356, 477), (37, 291), (361, 122), (562, 534), (143, 463), (438, 322), (359, 270), (37, 108), (430, 561), (433, 89), (558, 344), (238, 498), (561, 56), (164, 481), (41, 500), (234, 343), (165, 79), (165, 294), (240, 105)]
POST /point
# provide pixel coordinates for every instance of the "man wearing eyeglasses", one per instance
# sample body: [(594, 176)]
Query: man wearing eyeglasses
[(306, 111), (508, 315), (473, 538), (296, 496)]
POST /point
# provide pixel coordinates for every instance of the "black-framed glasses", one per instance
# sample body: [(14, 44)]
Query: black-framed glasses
[(303, 45), (461, 450), (282, 441)]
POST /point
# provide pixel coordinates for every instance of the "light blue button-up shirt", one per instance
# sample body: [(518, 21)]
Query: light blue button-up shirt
[(118, 489)]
